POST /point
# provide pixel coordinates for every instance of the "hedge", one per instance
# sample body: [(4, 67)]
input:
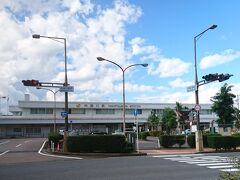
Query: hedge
[(191, 139), (170, 140), (99, 143), (54, 137), (143, 135), (223, 142)]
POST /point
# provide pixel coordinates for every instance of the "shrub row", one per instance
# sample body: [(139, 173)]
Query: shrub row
[(223, 142), (99, 143), (170, 140), (143, 135), (55, 138)]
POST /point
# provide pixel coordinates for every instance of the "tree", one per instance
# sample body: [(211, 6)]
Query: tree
[(237, 118), (153, 121), (182, 115), (169, 120), (223, 106)]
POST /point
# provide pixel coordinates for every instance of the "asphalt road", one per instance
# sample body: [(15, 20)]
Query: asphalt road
[(22, 162)]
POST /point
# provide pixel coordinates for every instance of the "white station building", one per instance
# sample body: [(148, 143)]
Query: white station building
[(37, 118)]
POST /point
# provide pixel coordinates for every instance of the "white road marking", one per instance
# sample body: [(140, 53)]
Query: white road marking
[(27, 141), (211, 162), (18, 145), (215, 164), (4, 142), (219, 167), (229, 170), (51, 155), (4, 152)]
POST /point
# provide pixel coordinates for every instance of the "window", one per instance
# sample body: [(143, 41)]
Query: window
[(17, 130), (41, 111), (78, 111), (131, 111), (105, 111), (35, 130)]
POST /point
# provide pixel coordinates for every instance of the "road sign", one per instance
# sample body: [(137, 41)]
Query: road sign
[(135, 113), (191, 88), (197, 107), (64, 114), (66, 89)]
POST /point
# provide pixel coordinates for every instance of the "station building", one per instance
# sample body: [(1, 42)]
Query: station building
[(37, 118)]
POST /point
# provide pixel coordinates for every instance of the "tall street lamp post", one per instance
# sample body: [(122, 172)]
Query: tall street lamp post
[(60, 39), (54, 113), (199, 139), (123, 85)]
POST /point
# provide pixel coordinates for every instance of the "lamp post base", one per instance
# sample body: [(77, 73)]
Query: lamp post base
[(199, 141), (65, 141)]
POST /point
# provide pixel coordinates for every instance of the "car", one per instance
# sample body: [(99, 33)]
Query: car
[(187, 131), (118, 132)]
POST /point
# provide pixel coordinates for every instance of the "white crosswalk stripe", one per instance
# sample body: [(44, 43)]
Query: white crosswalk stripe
[(212, 162)]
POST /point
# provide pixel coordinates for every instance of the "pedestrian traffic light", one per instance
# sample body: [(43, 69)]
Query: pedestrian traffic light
[(31, 82), (224, 77)]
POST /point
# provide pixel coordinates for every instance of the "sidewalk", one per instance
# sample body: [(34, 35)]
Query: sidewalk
[(170, 151)]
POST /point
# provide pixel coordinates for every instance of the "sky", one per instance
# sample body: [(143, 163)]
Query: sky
[(158, 32)]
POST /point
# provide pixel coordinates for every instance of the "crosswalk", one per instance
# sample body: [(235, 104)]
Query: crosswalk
[(222, 163)]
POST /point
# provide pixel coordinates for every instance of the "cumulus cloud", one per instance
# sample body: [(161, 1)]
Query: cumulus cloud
[(218, 59), (179, 83), (170, 67)]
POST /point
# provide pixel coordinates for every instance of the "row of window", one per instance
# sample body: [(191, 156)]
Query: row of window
[(102, 111)]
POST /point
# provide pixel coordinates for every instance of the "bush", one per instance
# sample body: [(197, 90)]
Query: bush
[(169, 140), (223, 142), (155, 133), (99, 143), (55, 138), (191, 140), (180, 140), (143, 135)]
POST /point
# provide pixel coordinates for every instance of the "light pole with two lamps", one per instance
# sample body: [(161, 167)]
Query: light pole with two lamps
[(54, 113), (123, 85), (199, 138), (60, 39)]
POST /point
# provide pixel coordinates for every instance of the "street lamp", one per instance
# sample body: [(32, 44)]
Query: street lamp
[(54, 113), (123, 84), (59, 39), (37, 36), (199, 140)]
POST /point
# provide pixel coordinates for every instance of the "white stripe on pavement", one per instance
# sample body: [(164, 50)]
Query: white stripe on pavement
[(18, 145), (220, 167), (229, 170), (214, 164), (4, 142), (51, 155), (4, 152)]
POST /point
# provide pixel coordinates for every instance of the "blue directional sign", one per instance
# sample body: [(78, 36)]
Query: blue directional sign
[(64, 114), (135, 112)]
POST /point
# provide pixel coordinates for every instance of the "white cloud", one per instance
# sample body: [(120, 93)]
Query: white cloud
[(218, 59), (180, 83), (170, 67)]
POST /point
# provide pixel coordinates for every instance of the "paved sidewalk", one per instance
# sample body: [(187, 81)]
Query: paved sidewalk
[(165, 151)]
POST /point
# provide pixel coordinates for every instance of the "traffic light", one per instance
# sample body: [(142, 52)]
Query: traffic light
[(31, 83), (211, 77), (223, 77)]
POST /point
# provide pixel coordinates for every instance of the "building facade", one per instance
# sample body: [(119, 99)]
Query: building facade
[(37, 118)]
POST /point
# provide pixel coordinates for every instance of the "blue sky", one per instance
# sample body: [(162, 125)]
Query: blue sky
[(157, 32)]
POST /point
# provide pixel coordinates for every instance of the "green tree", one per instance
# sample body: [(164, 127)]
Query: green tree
[(153, 121), (169, 122), (182, 115), (223, 106), (237, 118)]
